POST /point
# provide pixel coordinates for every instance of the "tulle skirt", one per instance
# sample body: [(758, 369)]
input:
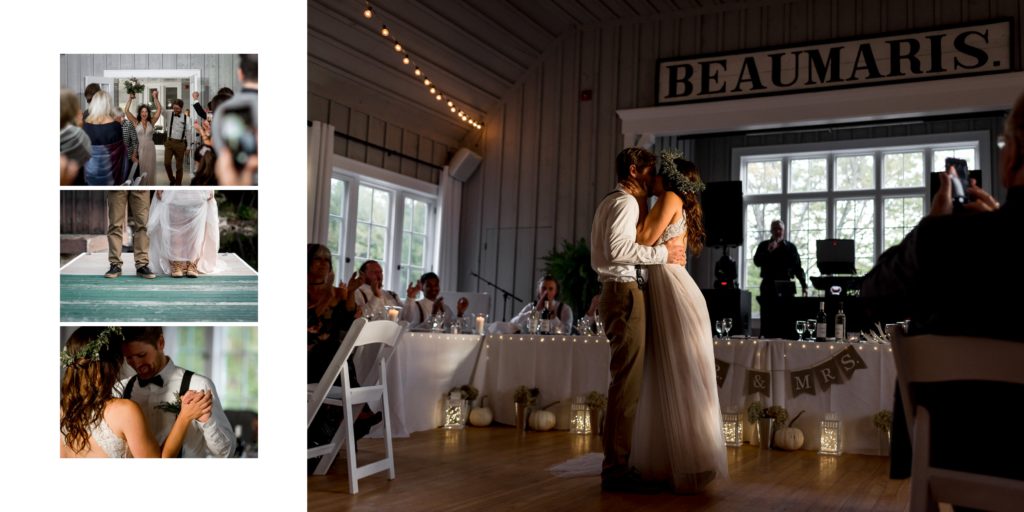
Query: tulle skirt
[(677, 436), (184, 226)]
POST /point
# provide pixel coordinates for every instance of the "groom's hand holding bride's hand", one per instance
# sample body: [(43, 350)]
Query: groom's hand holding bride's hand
[(676, 250), (197, 405)]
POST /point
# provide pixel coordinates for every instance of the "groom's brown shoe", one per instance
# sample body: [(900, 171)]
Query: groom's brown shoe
[(629, 482)]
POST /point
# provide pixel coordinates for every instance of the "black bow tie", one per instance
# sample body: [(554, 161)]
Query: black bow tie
[(158, 380)]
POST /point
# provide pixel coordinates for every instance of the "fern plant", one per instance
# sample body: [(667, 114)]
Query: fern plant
[(577, 281)]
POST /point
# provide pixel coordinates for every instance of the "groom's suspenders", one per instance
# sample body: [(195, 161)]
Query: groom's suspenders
[(186, 380)]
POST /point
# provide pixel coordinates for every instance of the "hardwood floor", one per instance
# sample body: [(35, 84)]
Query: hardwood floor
[(479, 469)]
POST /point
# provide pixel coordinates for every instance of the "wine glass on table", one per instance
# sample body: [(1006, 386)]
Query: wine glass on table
[(727, 325), (718, 328), (812, 329), (801, 326)]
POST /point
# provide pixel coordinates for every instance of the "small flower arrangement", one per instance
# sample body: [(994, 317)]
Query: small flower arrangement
[(883, 420), (525, 395), (469, 393), (132, 86), (756, 411), (596, 400)]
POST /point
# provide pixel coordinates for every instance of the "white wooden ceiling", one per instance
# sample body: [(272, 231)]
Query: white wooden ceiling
[(473, 50)]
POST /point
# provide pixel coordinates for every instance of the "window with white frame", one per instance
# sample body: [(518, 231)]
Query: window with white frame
[(227, 355), (371, 219), (873, 195)]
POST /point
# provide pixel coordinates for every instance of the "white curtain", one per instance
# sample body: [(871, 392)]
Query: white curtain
[(318, 180), (450, 200)]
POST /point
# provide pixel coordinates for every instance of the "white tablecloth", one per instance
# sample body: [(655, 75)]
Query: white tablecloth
[(566, 366), (562, 367), (421, 371), (856, 401)]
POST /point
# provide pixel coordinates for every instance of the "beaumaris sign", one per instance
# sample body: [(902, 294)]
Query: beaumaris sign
[(937, 53)]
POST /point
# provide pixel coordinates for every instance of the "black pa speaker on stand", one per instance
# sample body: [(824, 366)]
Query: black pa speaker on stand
[(722, 203)]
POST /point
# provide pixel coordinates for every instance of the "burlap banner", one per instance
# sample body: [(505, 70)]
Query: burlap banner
[(826, 373), (850, 361), (802, 381), (759, 382), (721, 371)]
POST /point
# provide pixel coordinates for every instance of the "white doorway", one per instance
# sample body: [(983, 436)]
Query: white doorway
[(171, 84)]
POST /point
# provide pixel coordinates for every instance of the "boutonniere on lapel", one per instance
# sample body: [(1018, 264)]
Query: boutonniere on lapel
[(173, 408)]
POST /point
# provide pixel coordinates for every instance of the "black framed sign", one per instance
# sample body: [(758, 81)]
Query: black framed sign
[(884, 59)]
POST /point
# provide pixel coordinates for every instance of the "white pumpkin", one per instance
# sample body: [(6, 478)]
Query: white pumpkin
[(481, 417), (543, 419), (790, 438)]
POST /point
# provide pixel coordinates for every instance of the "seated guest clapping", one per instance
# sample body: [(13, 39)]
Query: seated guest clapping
[(371, 297), (547, 305), (419, 311)]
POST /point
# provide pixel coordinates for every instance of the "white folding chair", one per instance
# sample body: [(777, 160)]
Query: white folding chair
[(385, 334), (924, 359)]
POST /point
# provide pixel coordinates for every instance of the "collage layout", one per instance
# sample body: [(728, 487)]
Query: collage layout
[(159, 256)]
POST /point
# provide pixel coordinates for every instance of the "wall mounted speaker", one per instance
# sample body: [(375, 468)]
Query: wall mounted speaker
[(723, 213), (463, 164)]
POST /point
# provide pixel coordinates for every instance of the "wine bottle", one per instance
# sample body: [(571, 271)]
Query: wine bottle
[(840, 324), (545, 318), (822, 324)]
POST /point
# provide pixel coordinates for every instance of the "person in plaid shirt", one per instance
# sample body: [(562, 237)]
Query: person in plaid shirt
[(131, 138)]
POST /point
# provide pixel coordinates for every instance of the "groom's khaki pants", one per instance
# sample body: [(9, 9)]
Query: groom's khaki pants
[(137, 204), (623, 312)]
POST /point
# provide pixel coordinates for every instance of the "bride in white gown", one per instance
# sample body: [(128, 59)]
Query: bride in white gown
[(93, 423), (677, 436), (184, 233)]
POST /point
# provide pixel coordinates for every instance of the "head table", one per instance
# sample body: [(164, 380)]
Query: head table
[(425, 366)]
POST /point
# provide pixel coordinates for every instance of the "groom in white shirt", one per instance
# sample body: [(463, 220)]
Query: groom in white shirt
[(614, 254), (154, 387)]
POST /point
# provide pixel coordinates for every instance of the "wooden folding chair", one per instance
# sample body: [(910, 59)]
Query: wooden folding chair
[(384, 334), (932, 359)]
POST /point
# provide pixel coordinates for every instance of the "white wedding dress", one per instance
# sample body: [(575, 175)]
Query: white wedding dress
[(114, 447), (677, 436), (184, 226)]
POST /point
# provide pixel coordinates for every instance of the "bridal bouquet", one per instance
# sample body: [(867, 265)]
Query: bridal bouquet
[(132, 86)]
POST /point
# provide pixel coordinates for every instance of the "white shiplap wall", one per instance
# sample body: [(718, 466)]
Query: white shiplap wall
[(548, 157), (216, 71)]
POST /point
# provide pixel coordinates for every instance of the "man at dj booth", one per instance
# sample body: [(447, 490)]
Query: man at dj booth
[(779, 261)]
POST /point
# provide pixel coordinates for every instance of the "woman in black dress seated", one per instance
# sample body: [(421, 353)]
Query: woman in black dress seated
[(329, 314)]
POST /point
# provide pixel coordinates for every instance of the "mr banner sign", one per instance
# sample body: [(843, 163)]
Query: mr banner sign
[(937, 53)]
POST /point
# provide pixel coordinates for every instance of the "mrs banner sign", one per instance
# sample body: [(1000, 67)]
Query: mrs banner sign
[(936, 53), (834, 370)]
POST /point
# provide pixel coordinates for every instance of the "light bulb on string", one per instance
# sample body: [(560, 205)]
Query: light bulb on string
[(398, 47), (405, 59), (433, 90), (438, 97), (450, 104), (453, 109), (417, 71), (426, 81), (384, 31), (368, 12)]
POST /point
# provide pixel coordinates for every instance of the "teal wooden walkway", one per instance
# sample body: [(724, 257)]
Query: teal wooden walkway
[(210, 298), (87, 296)]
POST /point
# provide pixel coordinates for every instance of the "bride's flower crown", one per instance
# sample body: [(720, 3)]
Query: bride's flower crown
[(674, 180), (91, 351)]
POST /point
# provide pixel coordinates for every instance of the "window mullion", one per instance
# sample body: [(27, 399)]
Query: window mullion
[(395, 235)]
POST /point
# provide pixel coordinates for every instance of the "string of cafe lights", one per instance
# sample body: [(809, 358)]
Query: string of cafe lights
[(418, 73)]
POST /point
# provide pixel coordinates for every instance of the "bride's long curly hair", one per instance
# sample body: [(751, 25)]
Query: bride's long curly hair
[(87, 386), (691, 206)]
